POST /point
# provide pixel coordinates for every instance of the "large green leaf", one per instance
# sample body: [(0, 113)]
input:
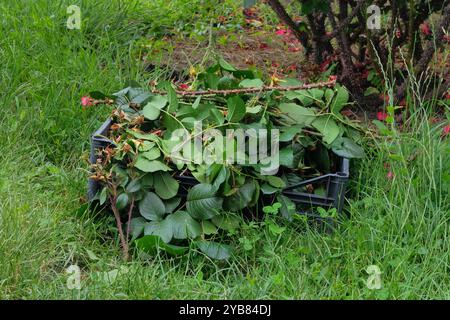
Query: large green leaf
[(340, 99), (122, 201), (202, 202), (152, 154), (288, 208), (236, 109), (165, 185), (150, 112), (133, 186), (144, 136), (287, 157), (226, 66), (227, 221), (151, 207), (208, 227), (172, 97), (172, 204), (251, 83), (162, 229), (183, 226), (297, 114), (214, 250), (151, 243), (217, 116), (327, 127), (158, 101), (241, 199), (345, 147), (305, 100), (137, 226), (146, 165), (275, 181)]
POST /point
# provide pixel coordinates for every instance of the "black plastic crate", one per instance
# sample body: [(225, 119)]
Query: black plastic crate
[(334, 183)]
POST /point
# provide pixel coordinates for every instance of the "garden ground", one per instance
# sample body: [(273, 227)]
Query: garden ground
[(400, 223)]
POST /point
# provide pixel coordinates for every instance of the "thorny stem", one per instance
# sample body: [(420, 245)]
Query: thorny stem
[(124, 242), (251, 90), (130, 212)]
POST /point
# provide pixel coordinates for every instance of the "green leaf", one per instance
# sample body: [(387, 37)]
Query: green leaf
[(158, 101), (147, 181), (275, 181), (183, 226), (316, 94), (202, 203), (172, 97), (345, 147), (133, 186), (172, 204), (288, 133), (152, 154), (217, 116), (208, 228), (251, 83), (297, 114), (268, 189), (220, 178), (226, 66), (227, 83), (146, 165), (144, 136), (227, 221), (212, 81), (276, 229), (151, 207), (196, 102), (305, 98), (340, 100), (150, 112), (288, 82), (151, 243), (287, 157), (163, 229), (236, 109), (382, 127), (139, 96), (288, 208), (214, 250), (121, 201), (137, 226), (103, 195), (253, 110), (242, 197), (327, 127), (165, 185)]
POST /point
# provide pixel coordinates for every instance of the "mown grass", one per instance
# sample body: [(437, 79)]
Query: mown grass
[(400, 224)]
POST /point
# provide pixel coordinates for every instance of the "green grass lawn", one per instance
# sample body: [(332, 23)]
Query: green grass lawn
[(400, 225)]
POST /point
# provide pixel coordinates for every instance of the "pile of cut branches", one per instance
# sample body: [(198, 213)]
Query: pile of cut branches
[(239, 140)]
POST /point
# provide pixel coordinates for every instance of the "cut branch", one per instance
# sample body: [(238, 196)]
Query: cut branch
[(250, 90)]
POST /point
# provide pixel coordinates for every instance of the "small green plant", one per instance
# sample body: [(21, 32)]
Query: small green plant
[(330, 213)]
